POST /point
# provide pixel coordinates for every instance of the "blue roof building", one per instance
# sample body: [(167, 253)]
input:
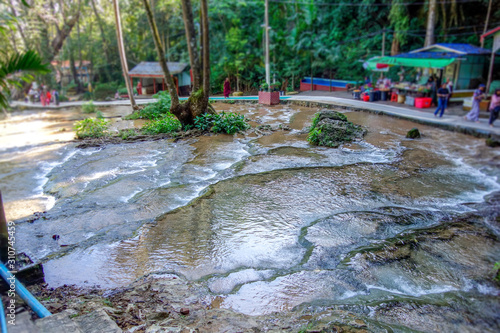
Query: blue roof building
[(469, 68)]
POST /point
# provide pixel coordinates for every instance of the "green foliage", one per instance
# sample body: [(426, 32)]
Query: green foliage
[(63, 98), (155, 110), (126, 134), (166, 124), (229, 123), (89, 107), (496, 270), (124, 91), (91, 128), (103, 90), (23, 65), (99, 114), (314, 136)]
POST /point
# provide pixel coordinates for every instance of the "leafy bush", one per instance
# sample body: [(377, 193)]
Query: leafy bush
[(126, 134), (89, 107), (155, 110), (166, 124), (63, 98), (88, 96), (229, 123), (103, 90), (496, 270), (124, 91), (99, 114), (91, 128)]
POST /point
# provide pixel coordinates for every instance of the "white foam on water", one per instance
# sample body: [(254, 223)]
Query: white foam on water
[(46, 168), (131, 195)]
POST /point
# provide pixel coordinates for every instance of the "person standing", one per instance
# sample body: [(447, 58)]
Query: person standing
[(494, 106), (43, 97), (442, 95), (139, 88), (48, 96), (478, 96), (56, 97), (227, 88)]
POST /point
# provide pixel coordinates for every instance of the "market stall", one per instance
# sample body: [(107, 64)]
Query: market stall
[(462, 64)]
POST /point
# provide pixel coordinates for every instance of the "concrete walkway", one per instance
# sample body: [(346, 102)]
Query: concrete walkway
[(426, 116), (423, 116)]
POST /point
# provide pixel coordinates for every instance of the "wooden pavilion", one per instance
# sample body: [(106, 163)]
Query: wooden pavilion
[(151, 77)]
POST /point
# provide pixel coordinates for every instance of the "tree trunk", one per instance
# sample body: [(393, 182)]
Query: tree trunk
[(395, 45), (104, 43), (312, 83), (187, 13), (486, 22), (206, 50), (62, 34), (121, 50), (72, 65), (431, 23), (172, 89)]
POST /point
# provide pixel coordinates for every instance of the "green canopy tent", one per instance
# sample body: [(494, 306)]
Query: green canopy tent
[(410, 62)]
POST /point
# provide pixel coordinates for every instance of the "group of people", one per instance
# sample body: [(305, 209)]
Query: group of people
[(494, 108), (43, 95)]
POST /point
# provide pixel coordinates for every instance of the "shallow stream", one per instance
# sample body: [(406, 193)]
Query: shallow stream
[(267, 222)]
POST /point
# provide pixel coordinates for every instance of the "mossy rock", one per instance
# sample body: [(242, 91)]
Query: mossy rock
[(331, 129), (414, 133), (493, 141), (238, 93)]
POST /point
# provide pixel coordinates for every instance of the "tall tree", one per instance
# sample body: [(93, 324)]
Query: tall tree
[(431, 23), (105, 45), (123, 58), (161, 56)]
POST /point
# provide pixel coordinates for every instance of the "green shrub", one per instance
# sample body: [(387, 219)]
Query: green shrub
[(91, 128), (229, 123), (63, 98), (314, 136), (126, 134), (103, 90), (99, 114), (496, 270), (88, 96), (89, 107), (155, 110), (124, 91), (166, 124)]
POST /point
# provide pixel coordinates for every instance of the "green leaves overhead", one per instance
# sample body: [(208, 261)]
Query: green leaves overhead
[(19, 67)]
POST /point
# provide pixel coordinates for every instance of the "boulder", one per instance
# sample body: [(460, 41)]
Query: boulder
[(414, 133), (493, 141), (331, 129)]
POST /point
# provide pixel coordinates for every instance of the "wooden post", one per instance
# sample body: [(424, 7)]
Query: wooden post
[(330, 79), (163, 84), (154, 85), (132, 84), (490, 72), (4, 235)]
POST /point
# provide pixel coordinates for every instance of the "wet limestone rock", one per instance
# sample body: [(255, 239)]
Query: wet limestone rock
[(331, 129), (414, 133)]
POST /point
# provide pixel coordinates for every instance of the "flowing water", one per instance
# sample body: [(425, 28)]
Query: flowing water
[(383, 227)]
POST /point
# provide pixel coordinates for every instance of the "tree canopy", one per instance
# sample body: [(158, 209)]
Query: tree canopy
[(322, 38)]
